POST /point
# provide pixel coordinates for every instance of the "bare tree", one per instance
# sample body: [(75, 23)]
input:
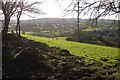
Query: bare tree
[(95, 8), (22, 7), (8, 8), (11, 7)]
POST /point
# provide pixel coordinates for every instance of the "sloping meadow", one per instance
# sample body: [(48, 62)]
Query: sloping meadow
[(107, 56), (33, 59)]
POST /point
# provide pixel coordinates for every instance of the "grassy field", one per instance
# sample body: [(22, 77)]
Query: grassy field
[(103, 54)]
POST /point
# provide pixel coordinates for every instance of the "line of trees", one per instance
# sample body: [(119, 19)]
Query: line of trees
[(16, 8)]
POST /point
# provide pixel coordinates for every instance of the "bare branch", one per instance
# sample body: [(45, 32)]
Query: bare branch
[(99, 7)]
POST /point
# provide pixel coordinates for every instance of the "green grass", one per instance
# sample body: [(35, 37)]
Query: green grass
[(61, 38), (89, 51), (29, 33)]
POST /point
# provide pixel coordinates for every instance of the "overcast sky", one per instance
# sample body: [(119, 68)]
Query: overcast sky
[(54, 10)]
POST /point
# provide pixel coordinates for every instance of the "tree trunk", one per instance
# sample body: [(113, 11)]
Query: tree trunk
[(18, 26), (6, 24), (78, 22)]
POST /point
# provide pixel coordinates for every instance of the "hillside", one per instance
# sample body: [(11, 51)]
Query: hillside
[(61, 21), (89, 51), (105, 33), (35, 60)]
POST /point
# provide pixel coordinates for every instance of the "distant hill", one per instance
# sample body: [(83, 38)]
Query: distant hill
[(58, 21), (51, 20)]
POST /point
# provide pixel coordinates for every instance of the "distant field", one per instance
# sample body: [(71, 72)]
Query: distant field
[(89, 51)]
